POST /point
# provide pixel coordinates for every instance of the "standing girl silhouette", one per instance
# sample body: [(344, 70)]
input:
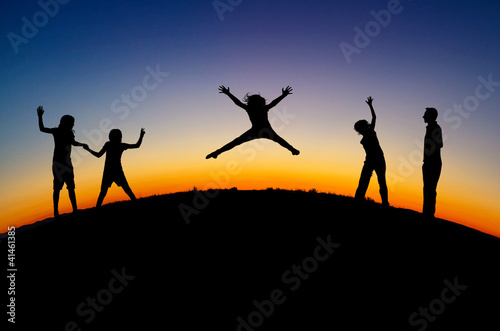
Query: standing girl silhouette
[(62, 168), (374, 157), (113, 171)]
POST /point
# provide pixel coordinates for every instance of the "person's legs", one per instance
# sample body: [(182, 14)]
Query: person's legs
[(128, 190), (380, 171), (72, 198), (364, 180), (431, 174), (69, 178), (269, 133), (102, 194), (428, 193), (55, 198), (58, 184), (247, 136), (121, 180)]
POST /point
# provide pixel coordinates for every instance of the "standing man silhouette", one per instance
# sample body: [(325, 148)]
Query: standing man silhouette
[(431, 169)]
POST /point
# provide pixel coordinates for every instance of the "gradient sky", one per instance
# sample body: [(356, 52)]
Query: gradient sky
[(93, 60)]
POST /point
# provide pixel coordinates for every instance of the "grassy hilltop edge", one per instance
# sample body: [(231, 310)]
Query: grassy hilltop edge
[(254, 260)]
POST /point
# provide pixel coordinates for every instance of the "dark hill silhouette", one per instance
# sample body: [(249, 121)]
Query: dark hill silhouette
[(362, 266)]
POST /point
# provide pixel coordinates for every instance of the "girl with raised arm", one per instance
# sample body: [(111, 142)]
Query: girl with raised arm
[(374, 157), (113, 171), (62, 167)]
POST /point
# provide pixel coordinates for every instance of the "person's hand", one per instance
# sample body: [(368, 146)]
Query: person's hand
[(223, 89), (143, 132), (40, 110), (286, 91), (369, 101)]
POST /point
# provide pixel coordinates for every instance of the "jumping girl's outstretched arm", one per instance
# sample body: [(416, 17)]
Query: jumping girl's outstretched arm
[(284, 92), (224, 90), (369, 101)]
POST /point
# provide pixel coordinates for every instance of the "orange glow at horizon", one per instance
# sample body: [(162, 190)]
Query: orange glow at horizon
[(272, 167), (244, 179)]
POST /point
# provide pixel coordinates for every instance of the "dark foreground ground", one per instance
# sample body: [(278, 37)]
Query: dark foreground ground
[(254, 260)]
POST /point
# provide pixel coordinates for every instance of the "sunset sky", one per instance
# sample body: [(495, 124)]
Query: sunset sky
[(158, 65)]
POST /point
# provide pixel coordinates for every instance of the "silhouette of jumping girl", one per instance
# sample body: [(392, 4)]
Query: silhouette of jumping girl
[(374, 157), (257, 110), (113, 171), (62, 168)]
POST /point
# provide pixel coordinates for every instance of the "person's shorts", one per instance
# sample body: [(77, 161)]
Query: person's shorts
[(63, 174), (110, 177)]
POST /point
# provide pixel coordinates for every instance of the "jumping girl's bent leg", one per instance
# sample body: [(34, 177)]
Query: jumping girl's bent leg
[(284, 143), (269, 133), (247, 136)]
